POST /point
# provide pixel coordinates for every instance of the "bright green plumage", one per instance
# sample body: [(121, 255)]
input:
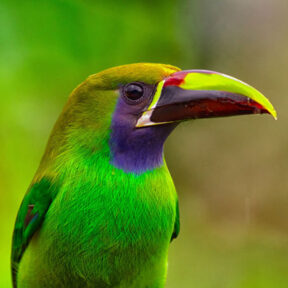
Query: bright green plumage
[(112, 220), (101, 227)]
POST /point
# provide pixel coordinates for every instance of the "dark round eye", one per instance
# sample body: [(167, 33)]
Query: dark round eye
[(133, 91)]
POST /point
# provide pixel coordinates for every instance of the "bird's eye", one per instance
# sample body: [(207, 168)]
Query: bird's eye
[(133, 91)]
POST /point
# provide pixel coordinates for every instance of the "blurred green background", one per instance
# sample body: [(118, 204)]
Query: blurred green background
[(231, 174)]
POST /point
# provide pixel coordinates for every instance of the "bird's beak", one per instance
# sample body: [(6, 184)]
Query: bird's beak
[(193, 94)]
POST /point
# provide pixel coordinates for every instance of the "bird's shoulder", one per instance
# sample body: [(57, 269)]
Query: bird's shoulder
[(30, 217)]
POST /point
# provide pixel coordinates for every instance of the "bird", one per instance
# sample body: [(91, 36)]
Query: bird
[(102, 208)]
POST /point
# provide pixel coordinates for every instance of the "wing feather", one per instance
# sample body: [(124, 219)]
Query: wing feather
[(29, 219)]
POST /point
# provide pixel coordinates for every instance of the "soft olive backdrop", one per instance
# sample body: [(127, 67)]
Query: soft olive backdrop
[(231, 174)]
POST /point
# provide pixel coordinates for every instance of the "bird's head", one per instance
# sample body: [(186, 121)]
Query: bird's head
[(128, 111)]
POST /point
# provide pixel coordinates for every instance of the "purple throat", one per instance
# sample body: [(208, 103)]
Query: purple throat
[(135, 150)]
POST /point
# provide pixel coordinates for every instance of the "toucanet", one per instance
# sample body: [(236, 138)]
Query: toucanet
[(102, 208)]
